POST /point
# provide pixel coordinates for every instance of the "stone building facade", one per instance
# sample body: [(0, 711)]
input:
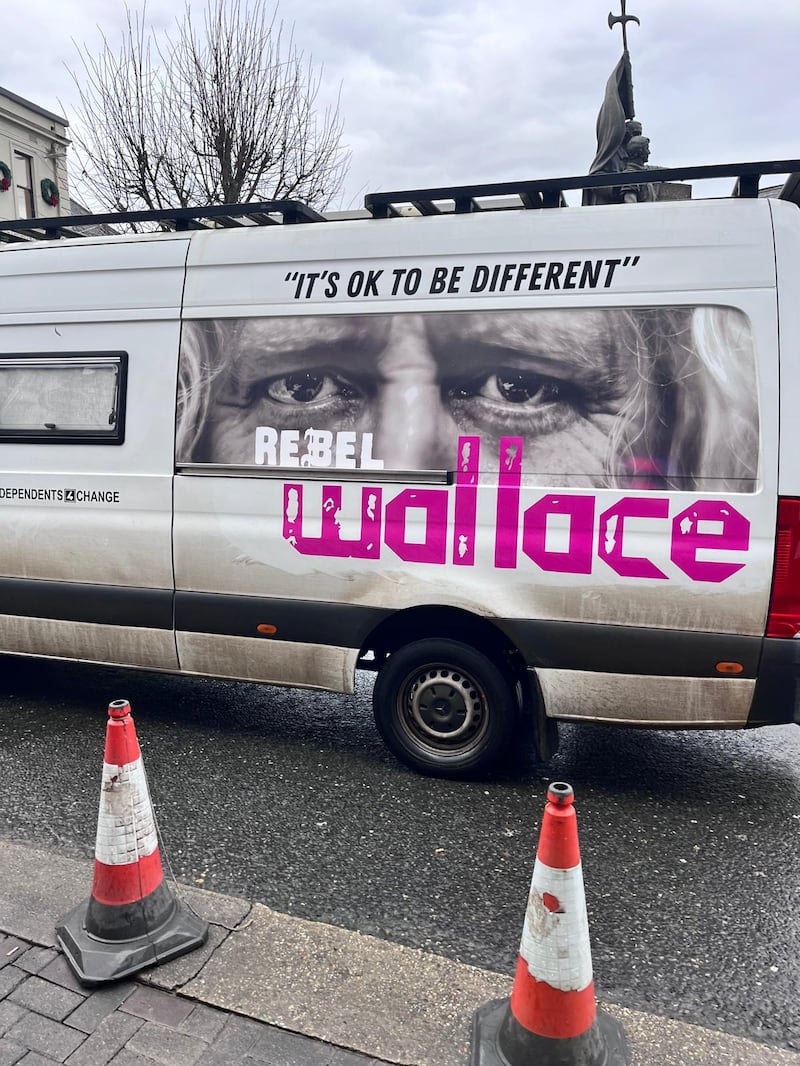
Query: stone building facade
[(33, 164)]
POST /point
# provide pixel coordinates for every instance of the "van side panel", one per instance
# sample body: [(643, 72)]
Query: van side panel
[(401, 415), (86, 556)]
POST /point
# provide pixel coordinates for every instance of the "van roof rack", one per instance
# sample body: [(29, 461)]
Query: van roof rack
[(549, 192), (459, 199), (228, 216)]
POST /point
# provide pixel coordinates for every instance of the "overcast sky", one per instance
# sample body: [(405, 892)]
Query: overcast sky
[(437, 92)]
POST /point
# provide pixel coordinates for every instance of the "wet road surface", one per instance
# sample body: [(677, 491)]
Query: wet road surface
[(689, 840)]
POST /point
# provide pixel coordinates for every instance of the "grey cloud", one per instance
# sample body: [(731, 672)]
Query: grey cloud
[(438, 92)]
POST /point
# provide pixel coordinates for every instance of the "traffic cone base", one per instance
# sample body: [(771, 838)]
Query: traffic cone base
[(499, 1040), (96, 959), (131, 919)]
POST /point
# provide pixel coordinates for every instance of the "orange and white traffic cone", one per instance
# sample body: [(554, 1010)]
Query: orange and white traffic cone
[(132, 919), (551, 1018)]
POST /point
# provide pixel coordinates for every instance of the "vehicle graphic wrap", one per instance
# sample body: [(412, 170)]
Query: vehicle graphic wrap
[(653, 398)]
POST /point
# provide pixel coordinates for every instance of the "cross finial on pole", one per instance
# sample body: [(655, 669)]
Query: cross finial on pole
[(624, 19)]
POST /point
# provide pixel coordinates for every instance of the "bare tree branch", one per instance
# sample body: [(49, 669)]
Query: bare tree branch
[(224, 112)]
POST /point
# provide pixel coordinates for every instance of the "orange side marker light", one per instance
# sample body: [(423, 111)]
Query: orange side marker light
[(730, 668)]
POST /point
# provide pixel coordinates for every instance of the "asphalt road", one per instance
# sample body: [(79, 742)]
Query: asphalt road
[(689, 840)]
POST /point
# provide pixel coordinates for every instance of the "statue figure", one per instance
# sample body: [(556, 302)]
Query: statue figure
[(637, 152), (633, 128), (620, 143), (630, 152)]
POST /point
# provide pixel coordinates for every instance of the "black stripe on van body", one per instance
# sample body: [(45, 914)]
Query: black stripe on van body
[(618, 649), (560, 645), (339, 625), (75, 601), (586, 646)]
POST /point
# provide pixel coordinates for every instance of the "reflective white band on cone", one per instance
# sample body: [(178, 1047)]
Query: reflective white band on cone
[(127, 861), (555, 936), (553, 991)]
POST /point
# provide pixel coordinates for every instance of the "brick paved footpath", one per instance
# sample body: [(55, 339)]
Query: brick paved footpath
[(47, 1016)]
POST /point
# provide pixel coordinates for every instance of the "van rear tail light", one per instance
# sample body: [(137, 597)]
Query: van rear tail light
[(784, 604)]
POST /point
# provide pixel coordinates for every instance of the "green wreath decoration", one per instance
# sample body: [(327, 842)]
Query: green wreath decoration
[(5, 176), (49, 192)]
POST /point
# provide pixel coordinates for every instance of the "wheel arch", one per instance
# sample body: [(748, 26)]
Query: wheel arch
[(427, 622)]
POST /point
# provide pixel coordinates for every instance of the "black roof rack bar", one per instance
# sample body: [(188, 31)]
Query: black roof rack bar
[(263, 219), (425, 207), (467, 204), (548, 192), (27, 229), (178, 218), (228, 222)]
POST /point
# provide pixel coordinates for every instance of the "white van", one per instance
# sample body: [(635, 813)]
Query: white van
[(527, 464)]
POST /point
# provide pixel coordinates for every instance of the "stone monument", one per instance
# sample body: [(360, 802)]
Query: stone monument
[(621, 145)]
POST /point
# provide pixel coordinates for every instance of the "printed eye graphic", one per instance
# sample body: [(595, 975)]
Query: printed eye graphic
[(513, 399), (510, 386), (310, 387)]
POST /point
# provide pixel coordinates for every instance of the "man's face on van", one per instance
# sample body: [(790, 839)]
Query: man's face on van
[(417, 382)]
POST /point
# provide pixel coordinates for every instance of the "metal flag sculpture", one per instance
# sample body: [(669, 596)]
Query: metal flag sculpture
[(624, 19)]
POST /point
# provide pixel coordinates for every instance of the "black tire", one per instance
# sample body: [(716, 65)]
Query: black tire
[(444, 708)]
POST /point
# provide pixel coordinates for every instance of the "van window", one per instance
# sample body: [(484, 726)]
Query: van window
[(641, 397), (47, 398)]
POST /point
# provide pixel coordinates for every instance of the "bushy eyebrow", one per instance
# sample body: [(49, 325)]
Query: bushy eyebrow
[(531, 329), (277, 336), (586, 348)]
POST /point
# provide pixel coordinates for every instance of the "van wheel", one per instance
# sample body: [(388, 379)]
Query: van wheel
[(444, 708)]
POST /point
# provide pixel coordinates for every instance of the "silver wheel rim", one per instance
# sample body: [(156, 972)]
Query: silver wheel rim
[(443, 710)]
